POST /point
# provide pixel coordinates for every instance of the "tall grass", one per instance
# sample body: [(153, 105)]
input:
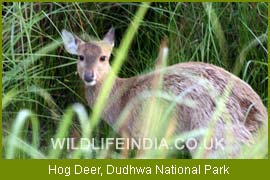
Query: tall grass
[(40, 82)]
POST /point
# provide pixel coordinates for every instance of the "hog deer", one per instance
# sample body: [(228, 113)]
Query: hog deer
[(241, 117)]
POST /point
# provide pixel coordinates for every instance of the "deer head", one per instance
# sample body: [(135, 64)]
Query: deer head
[(93, 57)]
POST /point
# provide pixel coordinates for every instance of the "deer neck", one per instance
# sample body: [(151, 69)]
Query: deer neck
[(114, 102)]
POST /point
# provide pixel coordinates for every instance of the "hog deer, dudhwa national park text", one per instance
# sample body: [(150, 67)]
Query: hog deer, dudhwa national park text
[(191, 92)]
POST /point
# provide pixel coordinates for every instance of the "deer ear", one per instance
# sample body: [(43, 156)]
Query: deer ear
[(109, 37), (71, 42)]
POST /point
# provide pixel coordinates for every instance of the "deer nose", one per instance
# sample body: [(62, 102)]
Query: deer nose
[(89, 76)]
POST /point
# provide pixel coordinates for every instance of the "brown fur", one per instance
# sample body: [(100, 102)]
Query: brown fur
[(244, 108), (241, 98)]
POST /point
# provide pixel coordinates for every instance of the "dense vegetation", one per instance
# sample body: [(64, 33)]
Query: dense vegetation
[(40, 77)]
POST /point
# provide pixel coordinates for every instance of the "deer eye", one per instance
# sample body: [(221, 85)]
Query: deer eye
[(81, 58), (102, 58)]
